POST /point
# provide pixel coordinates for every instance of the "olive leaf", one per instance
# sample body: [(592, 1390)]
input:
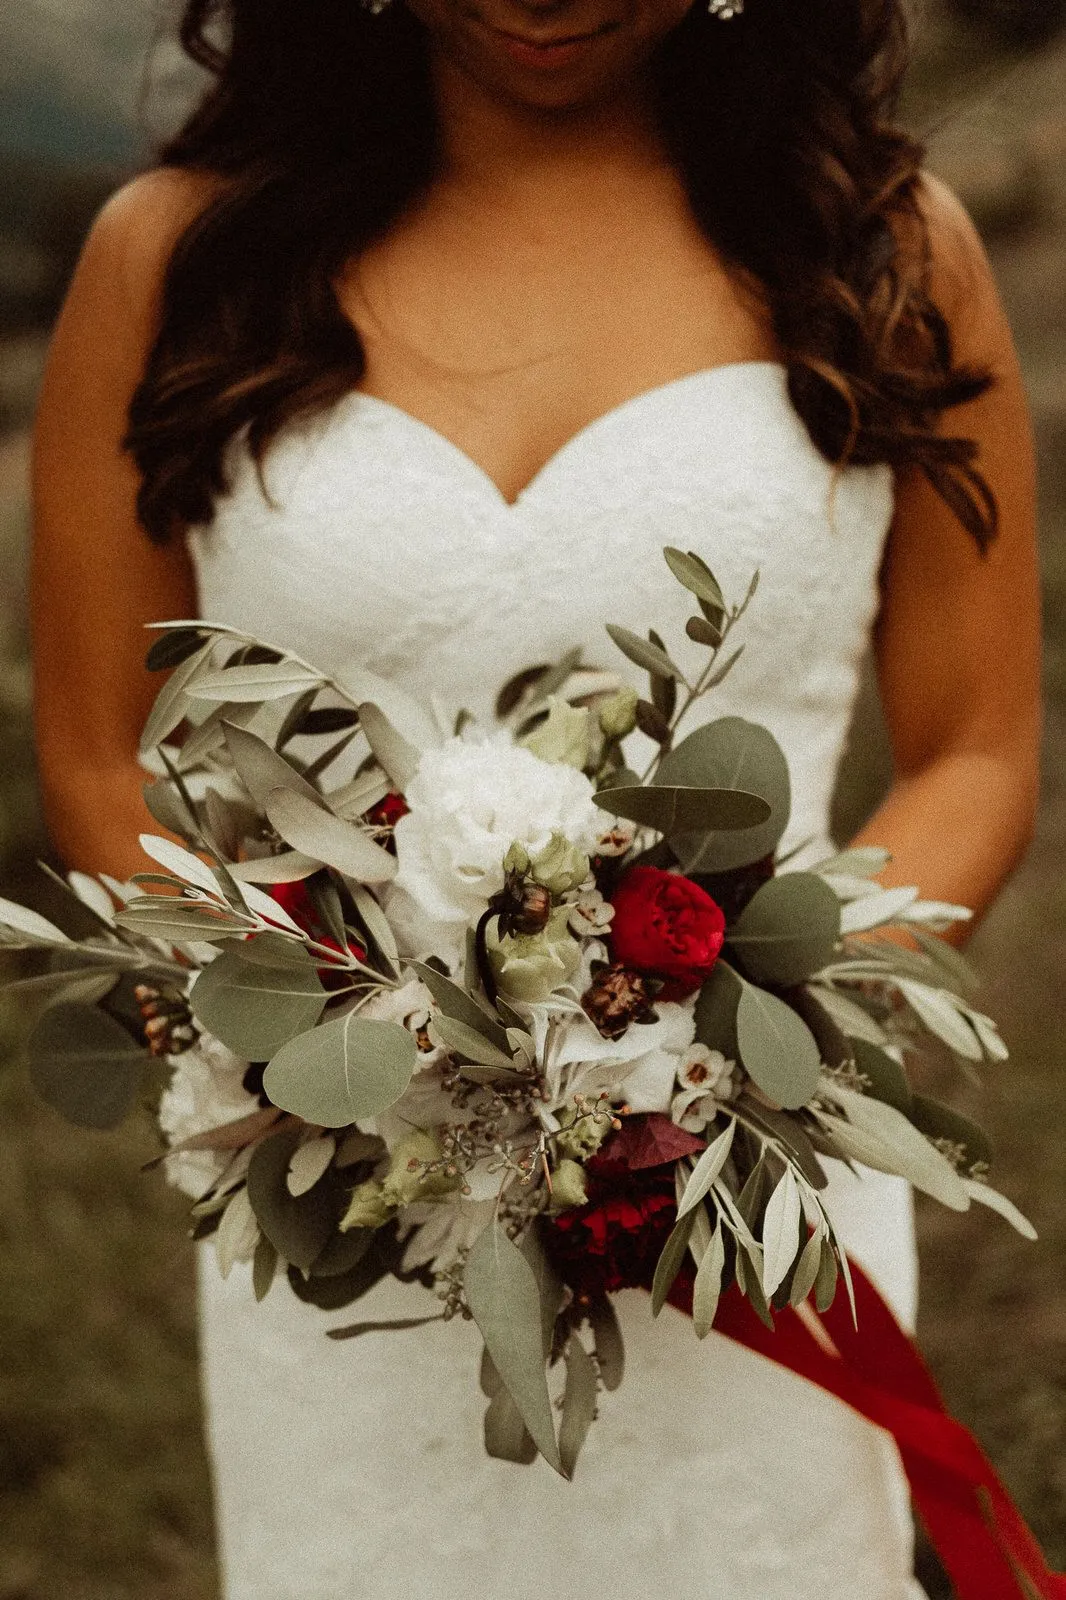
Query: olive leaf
[(644, 654), (607, 1337), (266, 681), (172, 702), (342, 1071), (261, 769), (694, 575), (671, 1261), (501, 1291), (454, 1001), (310, 829), (780, 1233), (707, 1289)]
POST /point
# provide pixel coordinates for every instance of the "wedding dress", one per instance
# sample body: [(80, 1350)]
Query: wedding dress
[(355, 1471)]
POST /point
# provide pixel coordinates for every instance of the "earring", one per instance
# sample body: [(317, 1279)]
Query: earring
[(725, 10), (375, 7)]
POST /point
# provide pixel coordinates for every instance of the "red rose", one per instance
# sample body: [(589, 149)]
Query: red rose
[(615, 1241), (666, 925)]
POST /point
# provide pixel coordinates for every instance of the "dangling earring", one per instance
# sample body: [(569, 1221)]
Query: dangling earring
[(725, 10), (375, 7)]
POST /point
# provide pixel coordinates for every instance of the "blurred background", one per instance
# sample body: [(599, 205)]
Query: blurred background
[(103, 1485)]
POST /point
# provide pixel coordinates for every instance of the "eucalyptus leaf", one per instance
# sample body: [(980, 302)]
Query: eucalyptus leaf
[(777, 1048), (938, 1121), (716, 1010), (675, 809), (342, 1071), (169, 918), (258, 994), (501, 1291), (310, 1162), (788, 930), (309, 828), (85, 1065), (731, 753), (579, 1403), (607, 1337), (182, 863), (645, 654), (875, 910), (298, 1228), (506, 1436)]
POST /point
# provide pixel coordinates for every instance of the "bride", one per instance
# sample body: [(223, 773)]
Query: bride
[(437, 320)]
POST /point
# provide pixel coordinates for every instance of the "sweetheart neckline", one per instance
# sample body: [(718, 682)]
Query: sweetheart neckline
[(607, 418)]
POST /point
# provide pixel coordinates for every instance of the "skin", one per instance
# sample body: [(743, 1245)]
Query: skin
[(551, 272)]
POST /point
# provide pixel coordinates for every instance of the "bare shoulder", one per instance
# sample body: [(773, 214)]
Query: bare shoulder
[(135, 233), (961, 278)]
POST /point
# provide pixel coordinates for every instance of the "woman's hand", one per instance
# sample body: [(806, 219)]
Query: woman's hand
[(96, 579), (958, 640)]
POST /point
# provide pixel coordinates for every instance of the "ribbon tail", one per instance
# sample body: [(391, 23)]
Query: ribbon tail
[(978, 1533)]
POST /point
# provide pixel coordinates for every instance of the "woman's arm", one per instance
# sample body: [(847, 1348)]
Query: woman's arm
[(96, 580), (958, 641)]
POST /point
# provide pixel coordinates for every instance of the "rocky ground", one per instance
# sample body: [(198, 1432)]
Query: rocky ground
[(103, 1487)]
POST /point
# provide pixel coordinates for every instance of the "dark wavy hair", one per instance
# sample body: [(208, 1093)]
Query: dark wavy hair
[(319, 121)]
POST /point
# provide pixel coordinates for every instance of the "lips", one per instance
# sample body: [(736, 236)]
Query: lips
[(544, 50)]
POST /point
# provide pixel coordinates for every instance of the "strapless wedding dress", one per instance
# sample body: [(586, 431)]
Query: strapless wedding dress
[(355, 1471)]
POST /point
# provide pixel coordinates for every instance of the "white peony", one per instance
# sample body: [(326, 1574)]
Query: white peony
[(469, 802), (205, 1091)]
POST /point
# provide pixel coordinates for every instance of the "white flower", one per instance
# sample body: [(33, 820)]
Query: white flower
[(205, 1091), (411, 1006), (469, 802), (706, 1080), (590, 914)]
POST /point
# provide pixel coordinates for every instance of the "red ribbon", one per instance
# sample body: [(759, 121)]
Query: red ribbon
[(975, 1527)]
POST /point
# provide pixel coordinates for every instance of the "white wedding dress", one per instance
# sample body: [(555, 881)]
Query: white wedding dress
[(355, 1471)]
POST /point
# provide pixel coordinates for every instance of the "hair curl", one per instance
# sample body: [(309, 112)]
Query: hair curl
[(320, 122)]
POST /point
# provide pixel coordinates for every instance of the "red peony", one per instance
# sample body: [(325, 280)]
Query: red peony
[(387, 812), (295, 899), (666, 925)]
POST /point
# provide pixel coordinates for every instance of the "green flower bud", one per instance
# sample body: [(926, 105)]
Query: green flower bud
[(618, 715), (407, 1183), (568, 1186), (529, 966), (582, 1133), (560, 866), (368, 1208), (563, 737), (516, 859)]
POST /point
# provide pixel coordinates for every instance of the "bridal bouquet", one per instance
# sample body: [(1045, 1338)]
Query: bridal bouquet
[(486, 1010)]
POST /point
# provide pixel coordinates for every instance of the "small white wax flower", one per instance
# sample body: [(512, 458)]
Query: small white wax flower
[(205, 1090), (470, 800), (705, 1080)]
